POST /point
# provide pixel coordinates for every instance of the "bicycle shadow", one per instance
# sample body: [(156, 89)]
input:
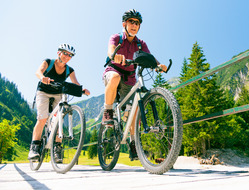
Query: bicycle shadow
[(173, 172), (117, 169), (33, 182), (195, 172), (1, 167)]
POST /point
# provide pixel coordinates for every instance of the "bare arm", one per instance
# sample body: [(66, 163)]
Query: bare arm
[(118, 57), (73, 78), (40, 71), (75, 81)]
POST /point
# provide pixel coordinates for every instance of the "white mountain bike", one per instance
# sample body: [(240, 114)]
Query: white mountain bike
[(66, 124), (158, 128)]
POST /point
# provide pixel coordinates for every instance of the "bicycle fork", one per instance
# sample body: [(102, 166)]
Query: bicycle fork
[(143, 115), (138, 101), (61, 121)]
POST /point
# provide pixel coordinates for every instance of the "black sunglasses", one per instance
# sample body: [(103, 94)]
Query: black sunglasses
[(69, 54), (134, 22)]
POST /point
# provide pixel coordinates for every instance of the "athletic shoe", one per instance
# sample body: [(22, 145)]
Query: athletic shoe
[(34, 152), (108, 117)]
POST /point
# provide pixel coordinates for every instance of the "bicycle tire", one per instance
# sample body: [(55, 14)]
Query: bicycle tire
[(71, 147), (108, 146), (159, 148), (35, 165)]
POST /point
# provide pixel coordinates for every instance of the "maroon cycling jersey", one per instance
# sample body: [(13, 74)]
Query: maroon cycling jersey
[(127, 49)]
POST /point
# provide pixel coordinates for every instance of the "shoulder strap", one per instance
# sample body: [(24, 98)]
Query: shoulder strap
[(67, 71), (139, 45), (120, 38), (52, 64)]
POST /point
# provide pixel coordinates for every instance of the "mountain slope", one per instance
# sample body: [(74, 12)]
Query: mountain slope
[(92, 106), (234, 77), (15, 109)]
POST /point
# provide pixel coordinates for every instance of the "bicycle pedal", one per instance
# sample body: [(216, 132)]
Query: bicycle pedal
[(146, 129), (35, 159)]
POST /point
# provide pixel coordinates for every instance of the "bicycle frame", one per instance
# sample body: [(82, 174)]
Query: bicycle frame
[(139, 84), (57, 114)]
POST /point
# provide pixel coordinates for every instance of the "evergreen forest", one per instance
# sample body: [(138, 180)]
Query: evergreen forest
[(16, 120), (208, 95)]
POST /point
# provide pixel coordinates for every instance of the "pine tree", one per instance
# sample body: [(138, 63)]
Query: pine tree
[(160, 82), (184, 70), (244, 100), (200, 98), (92, 149)]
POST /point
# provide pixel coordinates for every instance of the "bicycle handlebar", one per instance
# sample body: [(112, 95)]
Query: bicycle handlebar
[(129, 62), (58, 85), (115, 51)]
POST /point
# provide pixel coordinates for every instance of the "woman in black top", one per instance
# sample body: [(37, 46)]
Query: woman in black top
[(50, 70)]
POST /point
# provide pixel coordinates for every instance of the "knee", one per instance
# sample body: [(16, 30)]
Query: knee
[(114, 80), (41, 122)]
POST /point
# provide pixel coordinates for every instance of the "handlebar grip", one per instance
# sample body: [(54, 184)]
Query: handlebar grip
[(168, 68), (129, 62), (115, 51)]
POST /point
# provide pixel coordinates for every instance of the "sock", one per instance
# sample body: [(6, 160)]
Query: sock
[(58, 143), (132, 138), (108, 107), (36, 142)]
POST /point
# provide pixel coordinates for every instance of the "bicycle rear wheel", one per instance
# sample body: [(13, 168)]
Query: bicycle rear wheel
[(36, 164), (159, 148), (108, 146), (70, 146)]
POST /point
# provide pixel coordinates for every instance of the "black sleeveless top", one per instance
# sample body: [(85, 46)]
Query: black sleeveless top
[(55, 76)]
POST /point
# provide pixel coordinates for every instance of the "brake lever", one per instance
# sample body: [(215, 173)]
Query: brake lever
[(128, 62), (170, 63), (159, 69), (115, 51)]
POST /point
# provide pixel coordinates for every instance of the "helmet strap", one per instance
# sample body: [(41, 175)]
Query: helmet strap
[(59, 52), (60, 60), (128, 33)]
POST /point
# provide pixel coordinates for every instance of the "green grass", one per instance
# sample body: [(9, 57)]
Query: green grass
[(123, 159), (22, 155)]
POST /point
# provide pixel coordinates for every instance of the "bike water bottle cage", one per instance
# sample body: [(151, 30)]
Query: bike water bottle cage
[(50, 66)]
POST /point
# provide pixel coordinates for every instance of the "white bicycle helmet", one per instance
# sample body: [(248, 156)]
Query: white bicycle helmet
[(67, 47)]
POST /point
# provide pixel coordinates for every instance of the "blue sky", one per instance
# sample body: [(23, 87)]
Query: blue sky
[(32, 31)]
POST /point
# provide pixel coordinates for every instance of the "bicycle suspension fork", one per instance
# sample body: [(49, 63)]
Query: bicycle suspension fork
[(65, 108), (60, 115), (142, 111)]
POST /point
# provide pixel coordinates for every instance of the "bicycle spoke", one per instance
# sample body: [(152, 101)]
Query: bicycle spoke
[(107, 152), (159, 148), (65, 152)]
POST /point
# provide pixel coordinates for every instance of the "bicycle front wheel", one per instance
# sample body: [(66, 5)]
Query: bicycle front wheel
[(108, 146), (65, 152), (159, 148)]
